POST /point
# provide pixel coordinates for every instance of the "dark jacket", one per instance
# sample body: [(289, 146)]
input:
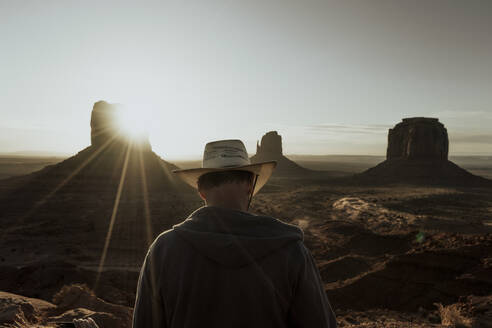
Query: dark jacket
[(227, 268)]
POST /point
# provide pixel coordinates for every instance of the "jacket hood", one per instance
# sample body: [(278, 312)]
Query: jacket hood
[(234, 238)]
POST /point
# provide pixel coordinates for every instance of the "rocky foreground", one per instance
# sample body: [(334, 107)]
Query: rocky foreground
[(71, 302), (389, 256), (77, 301), (396, 256)]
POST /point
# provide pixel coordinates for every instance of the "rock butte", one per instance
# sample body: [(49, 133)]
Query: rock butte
[(105, 129), (271, 144), (270, 149), (103, 122), (418, 138), (418, 153), (73, 200)]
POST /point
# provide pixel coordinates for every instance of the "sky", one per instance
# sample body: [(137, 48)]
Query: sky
[(330, 76)]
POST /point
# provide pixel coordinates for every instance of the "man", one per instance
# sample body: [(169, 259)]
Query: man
[(225, 267)]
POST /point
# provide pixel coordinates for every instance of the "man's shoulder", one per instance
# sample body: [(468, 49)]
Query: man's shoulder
[(164, 240), (297, 250)]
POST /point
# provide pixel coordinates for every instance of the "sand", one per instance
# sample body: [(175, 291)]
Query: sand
[(390, 255)]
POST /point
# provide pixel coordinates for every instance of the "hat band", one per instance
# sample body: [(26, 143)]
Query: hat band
[(222, 162), (223, 154)]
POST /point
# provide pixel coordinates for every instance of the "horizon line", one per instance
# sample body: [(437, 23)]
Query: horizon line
[(185, 158)]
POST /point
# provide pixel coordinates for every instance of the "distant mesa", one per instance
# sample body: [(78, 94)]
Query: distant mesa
[(418, 138), (418, 153), (270, 149), (106, 127)]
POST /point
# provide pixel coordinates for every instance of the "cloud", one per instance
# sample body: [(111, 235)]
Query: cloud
[(349, 129), (460, 114), (464, 115), (368, 139), (483, 138)]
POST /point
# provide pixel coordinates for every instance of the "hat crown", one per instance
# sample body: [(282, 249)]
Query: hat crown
[(225, 153)]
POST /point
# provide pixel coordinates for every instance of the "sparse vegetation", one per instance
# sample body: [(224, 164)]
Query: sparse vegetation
[(66, 290), (452, 316)]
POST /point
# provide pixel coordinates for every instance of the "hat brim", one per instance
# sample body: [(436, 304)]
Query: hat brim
[(263, 170)]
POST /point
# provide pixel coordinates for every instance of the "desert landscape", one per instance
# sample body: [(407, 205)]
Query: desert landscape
[(377, 113), (400, 241)]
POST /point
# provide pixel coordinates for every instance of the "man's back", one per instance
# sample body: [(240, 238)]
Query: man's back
[(227, 268)]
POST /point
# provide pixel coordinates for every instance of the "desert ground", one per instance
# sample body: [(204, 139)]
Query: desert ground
[(14, 165), (390, 255)]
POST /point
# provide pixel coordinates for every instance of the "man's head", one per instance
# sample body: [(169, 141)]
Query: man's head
[(230, 189), (227, 177)]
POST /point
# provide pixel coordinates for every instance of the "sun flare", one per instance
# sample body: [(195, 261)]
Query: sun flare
[(133, 124)]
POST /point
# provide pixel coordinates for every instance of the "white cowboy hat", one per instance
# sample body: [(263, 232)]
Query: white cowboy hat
[(228, 155)]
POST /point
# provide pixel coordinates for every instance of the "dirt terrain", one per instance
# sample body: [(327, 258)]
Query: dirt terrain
[(392, 253), (389, 255)]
